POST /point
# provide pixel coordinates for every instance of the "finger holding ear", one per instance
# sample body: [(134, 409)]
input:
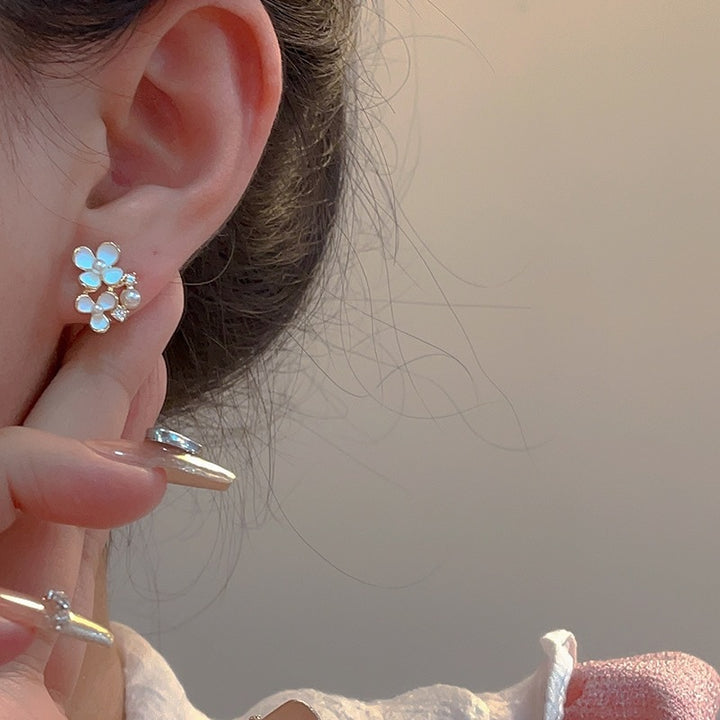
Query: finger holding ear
[(54, 478), (101, 374), (46, 472), (51, 476), (147, 403)]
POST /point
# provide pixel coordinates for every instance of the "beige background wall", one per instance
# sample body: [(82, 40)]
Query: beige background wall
[(559, 162)]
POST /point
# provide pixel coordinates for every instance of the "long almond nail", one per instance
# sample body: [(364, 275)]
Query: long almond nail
[(52, 612), (180, 468)]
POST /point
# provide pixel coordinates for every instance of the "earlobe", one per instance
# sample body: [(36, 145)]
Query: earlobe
[(188, 103)]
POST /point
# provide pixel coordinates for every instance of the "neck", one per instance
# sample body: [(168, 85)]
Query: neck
[(100, 690)]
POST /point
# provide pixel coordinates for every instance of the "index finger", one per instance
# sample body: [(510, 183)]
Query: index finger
[(90, 396)]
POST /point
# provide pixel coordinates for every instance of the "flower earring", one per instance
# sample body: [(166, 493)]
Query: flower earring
[(100, 268)]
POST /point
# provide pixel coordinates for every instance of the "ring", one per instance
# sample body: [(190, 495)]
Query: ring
[(52, 612), (173, 439), (177, 455)]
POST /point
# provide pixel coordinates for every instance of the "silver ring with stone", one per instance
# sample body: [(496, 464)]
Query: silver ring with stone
[(52, 612)]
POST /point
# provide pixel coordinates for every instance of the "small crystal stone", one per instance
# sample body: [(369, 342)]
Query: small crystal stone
[(59, 598), (60, 618), (131, 298), (120, 314), (130, 280), (57, 606)]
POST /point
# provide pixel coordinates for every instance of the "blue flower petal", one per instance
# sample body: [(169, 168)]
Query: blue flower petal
[(90, 280), (107, 301), (109, 253), (99, 323), (83, 258), (84, 304), (112, 276)]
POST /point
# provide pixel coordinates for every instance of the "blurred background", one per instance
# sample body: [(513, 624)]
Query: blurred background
[(510, 423)]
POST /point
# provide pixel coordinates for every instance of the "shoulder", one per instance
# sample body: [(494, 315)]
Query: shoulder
[(540, 695), (660, 686), (438, 702)]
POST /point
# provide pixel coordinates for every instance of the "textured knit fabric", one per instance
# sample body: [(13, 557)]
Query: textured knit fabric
[(663, 686)]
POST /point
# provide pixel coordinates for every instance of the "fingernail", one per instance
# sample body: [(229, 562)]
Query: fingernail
[(180, 468), (52, 612)]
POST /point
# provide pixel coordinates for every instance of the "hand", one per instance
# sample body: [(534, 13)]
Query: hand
[(52, 487)]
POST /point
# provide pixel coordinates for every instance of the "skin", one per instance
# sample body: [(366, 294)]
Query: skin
[(151, 148)]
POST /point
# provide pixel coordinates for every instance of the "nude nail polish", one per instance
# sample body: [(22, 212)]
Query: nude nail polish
[(180, 467)]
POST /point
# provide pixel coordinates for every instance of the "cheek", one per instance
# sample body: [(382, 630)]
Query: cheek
[(29, 335), (30, 277), (40, 197)]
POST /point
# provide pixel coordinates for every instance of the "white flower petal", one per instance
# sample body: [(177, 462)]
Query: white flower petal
[(99, 323), (90, 280), (109, 253), (107, 301), (83, 258), (84, 304), (112, 275)]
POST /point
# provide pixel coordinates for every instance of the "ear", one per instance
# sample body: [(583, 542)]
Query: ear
[(186, 105)]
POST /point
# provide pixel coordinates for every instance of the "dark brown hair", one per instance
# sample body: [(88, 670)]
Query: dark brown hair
[(248, 284)]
